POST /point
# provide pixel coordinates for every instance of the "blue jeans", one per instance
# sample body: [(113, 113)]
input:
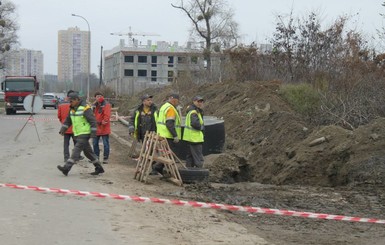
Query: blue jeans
[(106, 146)]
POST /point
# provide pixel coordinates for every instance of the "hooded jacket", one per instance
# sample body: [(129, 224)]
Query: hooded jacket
[(102, 112)]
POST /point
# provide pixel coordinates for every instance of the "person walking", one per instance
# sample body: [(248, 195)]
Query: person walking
[(102, 112), (193, 133), (143, 119), (169, 125), (62, 113), (84, 127)]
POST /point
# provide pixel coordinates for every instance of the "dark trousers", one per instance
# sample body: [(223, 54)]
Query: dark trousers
[(173, 146), (66, 145), (159, 166), (83, 144), (106, 146), (194, 157)]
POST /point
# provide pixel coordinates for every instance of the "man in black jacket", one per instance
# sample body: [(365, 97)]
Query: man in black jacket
[(143, 119)]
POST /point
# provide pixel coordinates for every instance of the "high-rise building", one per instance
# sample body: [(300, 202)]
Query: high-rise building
[(72, 54), (25, 62)]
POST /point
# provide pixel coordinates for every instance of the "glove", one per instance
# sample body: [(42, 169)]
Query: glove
[(62, 130), (93, 134), (176, 140), (131, 129), (203, 128)]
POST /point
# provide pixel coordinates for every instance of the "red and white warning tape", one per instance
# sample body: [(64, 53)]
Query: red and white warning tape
[(199, 204), (31, 119)]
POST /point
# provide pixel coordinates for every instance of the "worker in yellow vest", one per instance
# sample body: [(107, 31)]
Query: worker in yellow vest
[(143, 118), (169, 125), (83, 123), (193, 133)]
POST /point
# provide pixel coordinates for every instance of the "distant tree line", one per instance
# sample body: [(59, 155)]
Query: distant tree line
[(344, 76), (330, 75)]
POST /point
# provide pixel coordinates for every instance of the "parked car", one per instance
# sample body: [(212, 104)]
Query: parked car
[(50, 100)]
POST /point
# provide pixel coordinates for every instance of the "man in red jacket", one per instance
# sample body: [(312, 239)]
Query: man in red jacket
[(102, 112), (62, 113)]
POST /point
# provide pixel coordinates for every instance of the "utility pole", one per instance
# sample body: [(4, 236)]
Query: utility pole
[(101, 68)]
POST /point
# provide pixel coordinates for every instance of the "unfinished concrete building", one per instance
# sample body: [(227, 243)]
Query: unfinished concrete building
[(135, 67)]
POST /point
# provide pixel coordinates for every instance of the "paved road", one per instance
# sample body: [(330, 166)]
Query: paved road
[(28, 217)]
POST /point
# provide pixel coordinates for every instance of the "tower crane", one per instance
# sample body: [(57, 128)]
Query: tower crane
[(130, 34)]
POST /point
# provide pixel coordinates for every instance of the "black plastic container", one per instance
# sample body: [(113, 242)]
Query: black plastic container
[(214, 137)]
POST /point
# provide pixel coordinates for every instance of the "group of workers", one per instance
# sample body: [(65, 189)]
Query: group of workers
[(81, 121), (167, 123)]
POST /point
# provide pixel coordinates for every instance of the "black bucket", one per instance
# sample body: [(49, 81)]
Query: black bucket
[(214, 138)]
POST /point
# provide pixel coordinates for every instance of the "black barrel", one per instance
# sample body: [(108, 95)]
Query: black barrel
[(214, 137)]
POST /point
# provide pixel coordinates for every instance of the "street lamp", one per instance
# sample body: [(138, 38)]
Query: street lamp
[(72, 63), (89, 54)]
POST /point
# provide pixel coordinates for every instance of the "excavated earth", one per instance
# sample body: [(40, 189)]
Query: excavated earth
[(273, 159)]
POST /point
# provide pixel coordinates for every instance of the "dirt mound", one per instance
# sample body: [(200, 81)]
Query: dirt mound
[(267, 142)]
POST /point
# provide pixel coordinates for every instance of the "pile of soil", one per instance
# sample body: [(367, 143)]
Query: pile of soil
[(273, 158), (268, 142)]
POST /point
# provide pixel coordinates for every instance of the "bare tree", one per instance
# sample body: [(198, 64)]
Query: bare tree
[(213, 21), (8, 28)]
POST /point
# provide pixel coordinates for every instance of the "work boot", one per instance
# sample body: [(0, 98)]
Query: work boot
[(153, 172), (105, 161), (98, 169), (66, 168)]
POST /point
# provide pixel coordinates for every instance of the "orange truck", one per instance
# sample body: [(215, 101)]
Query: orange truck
[(16, 88)]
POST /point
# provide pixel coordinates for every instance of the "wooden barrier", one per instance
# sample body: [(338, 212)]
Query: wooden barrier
[(156, 149)]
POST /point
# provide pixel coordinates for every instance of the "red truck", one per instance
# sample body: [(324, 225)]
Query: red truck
[(16, 88)]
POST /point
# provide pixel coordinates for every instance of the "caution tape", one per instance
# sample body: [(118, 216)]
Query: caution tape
[(30, 118), (199, 204)]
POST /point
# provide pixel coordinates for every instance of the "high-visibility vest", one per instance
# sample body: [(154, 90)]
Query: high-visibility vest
[(137, 114), (161, 127), (191, 134), (80, 125)]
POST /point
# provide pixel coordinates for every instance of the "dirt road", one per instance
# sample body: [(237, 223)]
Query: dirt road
[(347, 201)]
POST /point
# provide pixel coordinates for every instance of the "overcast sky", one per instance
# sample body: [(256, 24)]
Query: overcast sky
[(40, 20)]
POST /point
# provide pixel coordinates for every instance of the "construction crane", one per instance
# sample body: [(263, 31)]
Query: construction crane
[(130, 34)]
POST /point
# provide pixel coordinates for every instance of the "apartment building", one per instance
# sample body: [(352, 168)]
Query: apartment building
[(73, 53), (135, 67), (25, 62)]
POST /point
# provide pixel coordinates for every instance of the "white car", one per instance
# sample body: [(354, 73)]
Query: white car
[(50, 100)]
